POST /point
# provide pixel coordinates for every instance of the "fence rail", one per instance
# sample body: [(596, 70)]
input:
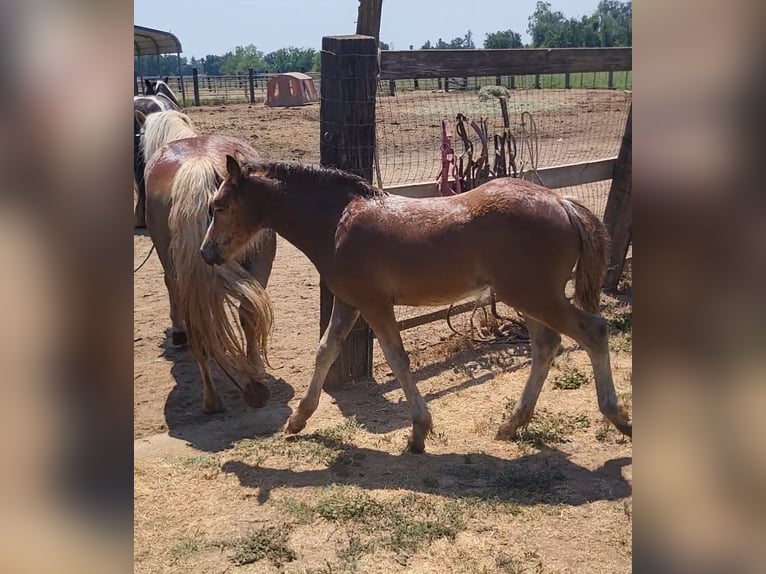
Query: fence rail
[(203, 89)]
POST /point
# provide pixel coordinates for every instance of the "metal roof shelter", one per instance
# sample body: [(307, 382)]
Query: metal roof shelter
[(151, 42)]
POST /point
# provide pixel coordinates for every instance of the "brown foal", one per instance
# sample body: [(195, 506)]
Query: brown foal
[(375, 250)]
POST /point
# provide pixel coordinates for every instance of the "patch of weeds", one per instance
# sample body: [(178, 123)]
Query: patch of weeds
[(344, 504), (570, 378), (622, 322), (302, 512), (412, 534), (342, 432), (184, 548), (402, 525), (349, 555), (200, 461), (254, 450), (546, 427), (267, 542), (622, 342)]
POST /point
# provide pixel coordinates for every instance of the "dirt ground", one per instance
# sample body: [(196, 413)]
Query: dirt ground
[(232, 493)]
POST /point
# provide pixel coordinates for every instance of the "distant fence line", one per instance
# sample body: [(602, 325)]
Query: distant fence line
[(250, 87)]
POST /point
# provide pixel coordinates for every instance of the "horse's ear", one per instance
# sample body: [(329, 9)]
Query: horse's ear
[(148, 84), (167, 79), (232, 166), (140, 118)]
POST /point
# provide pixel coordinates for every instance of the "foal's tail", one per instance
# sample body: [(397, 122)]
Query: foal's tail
[(594, 254), (207, 295)]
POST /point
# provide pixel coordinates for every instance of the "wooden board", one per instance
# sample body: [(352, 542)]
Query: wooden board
[(406, 64)]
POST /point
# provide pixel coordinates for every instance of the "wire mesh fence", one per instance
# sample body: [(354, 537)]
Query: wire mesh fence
[(572, 125)]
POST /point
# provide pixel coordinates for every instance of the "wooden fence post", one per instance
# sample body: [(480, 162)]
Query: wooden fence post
[(498, 80), (567, 81), (195, 84), (512, 82), (392, 87), (347, 141), (537, 81), (618, 215), (251, 81), (415, 83), (610, 80)]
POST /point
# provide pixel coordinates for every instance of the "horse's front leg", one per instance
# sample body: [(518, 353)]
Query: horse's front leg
[(383, 323), (342, 320)]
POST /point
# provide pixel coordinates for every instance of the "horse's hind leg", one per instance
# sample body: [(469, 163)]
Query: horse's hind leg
[(211, 403), (591, 333), (177, 330), (383, 323), (545, 344), (342, 320)]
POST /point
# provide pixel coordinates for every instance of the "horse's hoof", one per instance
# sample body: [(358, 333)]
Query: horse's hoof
[(256, 394), (505, 433), (416, 447), (294, 426)]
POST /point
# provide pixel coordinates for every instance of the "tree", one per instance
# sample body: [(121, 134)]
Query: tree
[(545, 25), (384, 46), (461, 43), (243, 58), (609, 25), (506, 39)]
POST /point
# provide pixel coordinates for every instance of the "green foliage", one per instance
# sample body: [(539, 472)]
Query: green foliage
[(460, 43), (570, 378), (504, 39), (610, 25), (268, 542)]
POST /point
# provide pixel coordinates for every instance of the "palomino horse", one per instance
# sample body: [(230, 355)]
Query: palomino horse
[(158, 98), (375, 250), (182, 175)]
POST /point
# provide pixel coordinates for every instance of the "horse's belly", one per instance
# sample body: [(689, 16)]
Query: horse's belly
[(436, 299), (435, 289)]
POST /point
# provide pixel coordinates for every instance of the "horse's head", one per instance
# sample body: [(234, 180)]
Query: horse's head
[(235, 213)]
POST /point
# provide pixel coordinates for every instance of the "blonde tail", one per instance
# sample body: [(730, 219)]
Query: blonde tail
[(208, 296)]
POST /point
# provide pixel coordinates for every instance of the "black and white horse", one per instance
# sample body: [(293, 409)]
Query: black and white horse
[(158, 98)]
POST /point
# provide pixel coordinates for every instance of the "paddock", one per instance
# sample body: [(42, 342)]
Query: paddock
[(342, 497)]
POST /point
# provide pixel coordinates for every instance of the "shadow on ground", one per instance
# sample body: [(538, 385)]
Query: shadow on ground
[(366, 401), (546, 477), (213, 433)]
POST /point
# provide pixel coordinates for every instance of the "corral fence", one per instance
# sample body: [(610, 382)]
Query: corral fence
[(374, 123), (207, 90)]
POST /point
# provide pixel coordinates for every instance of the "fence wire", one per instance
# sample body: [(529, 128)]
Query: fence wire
[(573, 125)]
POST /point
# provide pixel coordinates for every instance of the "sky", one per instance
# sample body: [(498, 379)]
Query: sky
[(218, 26)]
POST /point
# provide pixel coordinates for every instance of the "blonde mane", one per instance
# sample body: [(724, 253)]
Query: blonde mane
[(164, 127)]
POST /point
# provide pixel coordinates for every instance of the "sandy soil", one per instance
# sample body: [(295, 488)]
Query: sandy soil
[(229, 492)]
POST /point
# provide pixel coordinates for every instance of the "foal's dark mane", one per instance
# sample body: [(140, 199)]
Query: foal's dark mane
[(307, 177)]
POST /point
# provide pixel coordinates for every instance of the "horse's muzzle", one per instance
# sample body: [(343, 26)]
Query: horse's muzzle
[(210, 253)]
